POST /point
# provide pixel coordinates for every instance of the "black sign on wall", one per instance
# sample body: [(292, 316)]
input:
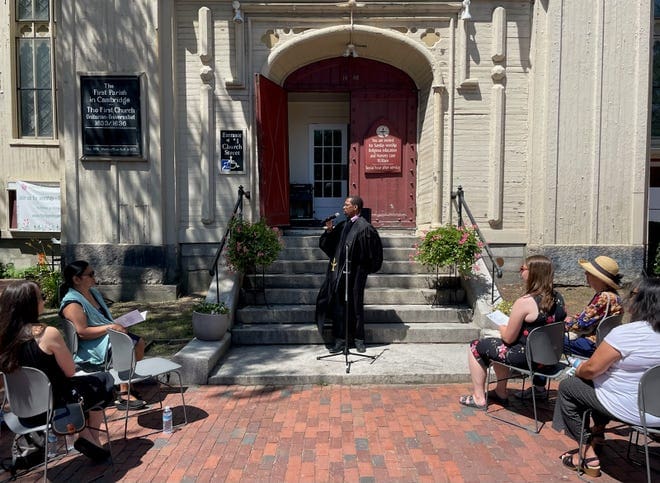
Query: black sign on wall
[(110, 113), (232, 151)]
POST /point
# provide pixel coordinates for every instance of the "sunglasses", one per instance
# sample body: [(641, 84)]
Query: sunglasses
[(90, 274), (523, 268)]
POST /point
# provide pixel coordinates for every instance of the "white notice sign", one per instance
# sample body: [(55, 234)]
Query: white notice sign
[(37, 207)]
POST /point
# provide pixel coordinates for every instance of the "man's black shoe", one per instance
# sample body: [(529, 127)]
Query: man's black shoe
[(338, 347), (359, 345)]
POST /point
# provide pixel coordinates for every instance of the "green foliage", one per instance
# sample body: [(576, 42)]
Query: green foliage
[(656, 262), (7, 270), (49, 280), (450, 246), (252, 245), (504, 306), (43, 274), (211, 308)]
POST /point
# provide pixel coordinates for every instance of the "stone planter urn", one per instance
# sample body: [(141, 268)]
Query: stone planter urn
[(210, 321)]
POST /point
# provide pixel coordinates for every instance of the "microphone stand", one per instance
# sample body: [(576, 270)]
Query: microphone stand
[(347, 352)]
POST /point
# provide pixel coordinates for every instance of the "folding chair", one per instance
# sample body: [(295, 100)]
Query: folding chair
[(544, 349), (29, 394), (606, 325), (126, 370), (649, 403), (71, 340)]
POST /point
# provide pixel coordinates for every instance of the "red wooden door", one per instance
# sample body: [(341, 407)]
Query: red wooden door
[(273, 152), (383, 154)]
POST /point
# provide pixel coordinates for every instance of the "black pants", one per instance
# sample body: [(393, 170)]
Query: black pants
[(574, 398)]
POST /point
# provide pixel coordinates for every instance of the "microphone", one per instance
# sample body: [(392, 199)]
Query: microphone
[(331, 217)]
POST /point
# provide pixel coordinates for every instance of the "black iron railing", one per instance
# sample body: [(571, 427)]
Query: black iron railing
[(461, 205), (237, 213)]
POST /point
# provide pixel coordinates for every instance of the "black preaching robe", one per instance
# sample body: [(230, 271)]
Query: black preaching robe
[(358, 243)]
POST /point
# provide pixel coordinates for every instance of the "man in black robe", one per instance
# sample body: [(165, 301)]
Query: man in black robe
[(353, 246)]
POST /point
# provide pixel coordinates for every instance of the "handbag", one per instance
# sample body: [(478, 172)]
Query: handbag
[(68, 419)]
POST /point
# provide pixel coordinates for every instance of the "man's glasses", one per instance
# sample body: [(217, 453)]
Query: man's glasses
[(90, 274)]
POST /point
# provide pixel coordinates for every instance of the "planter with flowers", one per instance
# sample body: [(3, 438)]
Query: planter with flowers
[(453, 250), (210, 321), (251, 248)]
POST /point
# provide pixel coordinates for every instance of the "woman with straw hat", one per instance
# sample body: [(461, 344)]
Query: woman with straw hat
[(603, 276)]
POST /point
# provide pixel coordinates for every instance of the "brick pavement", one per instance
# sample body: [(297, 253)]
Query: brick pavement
[(411, 433)]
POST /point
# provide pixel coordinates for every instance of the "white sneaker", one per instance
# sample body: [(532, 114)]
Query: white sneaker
[(541, 392)]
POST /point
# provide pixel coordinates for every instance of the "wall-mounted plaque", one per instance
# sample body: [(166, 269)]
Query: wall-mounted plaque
[(111, 117), (382, 151), (232, 151)]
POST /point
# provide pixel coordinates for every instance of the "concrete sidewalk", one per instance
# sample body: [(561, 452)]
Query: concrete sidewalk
[(328, 433)]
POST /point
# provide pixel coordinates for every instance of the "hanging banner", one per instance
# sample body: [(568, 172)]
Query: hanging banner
[(38, 208)]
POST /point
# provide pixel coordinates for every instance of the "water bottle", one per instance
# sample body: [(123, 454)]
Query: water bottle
[(574, 362), (167, 420), (52, 444)]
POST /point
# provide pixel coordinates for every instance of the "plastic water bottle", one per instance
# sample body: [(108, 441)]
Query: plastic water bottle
[(52, 444), (167, 420), (574, 362)]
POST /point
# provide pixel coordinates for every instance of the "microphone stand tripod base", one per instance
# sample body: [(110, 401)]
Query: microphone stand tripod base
[(346, 353)]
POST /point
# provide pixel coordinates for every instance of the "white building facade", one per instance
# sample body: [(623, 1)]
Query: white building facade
[(149, 114)]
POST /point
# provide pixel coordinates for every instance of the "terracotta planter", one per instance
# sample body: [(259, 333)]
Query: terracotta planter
[(210, 326)]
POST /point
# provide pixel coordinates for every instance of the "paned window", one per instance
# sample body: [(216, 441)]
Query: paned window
[(34, 69)]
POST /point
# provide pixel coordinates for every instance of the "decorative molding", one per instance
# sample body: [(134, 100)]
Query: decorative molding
[(207, 116), (439, 92)]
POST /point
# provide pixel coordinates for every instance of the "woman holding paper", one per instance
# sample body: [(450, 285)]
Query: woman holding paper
[(539, 305), (83, 305)]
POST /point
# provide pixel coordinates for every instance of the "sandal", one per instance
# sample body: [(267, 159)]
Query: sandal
[(469, 402), (567, 461), (492, 396)]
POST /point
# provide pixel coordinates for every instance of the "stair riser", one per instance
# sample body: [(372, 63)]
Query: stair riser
[(320, 266), (371, 296), (270, 316), (376, 280), (391, 334), (313, 241), (400, 254)]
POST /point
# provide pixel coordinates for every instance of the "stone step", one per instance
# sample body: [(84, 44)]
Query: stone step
[(305, 314), (311, 240), (405, 333), (320, 266), (299, 364), (376, 280), (311, 254), (387, 296)]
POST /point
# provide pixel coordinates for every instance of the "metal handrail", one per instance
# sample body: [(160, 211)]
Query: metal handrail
[(238, 212), (459, 200)]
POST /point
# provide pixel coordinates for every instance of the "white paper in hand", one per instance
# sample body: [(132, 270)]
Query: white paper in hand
[(498, 318), (131, 318)]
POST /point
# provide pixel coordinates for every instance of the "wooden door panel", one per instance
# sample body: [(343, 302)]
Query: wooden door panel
[(273, 152), (389, 194)]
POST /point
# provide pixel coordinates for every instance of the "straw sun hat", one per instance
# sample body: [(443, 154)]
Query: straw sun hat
[(603, 268)]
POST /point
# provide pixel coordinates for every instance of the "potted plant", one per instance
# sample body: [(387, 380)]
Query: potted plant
[(451, 247), (252, 246), (210, 320)]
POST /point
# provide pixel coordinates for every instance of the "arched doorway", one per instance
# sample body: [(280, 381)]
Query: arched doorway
[(364, 144)]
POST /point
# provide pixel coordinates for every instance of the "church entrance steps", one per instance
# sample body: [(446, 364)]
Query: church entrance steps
[(275, 331)]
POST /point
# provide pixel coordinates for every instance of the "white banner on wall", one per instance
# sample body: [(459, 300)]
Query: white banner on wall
[(38, 208)]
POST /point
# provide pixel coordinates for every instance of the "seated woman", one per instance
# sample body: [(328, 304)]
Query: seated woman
[(84, 305), (539, 305), (602, 276), (25, 343), (607, 382)]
